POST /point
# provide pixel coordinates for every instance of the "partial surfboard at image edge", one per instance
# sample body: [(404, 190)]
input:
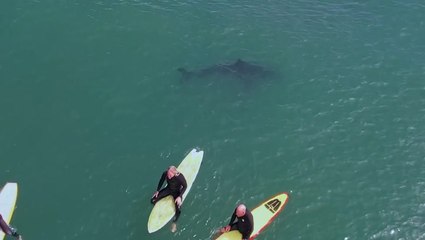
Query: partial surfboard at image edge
[(8, 197)]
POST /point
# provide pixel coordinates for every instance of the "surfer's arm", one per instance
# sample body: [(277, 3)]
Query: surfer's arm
[(183, 183), (250, 219), (232, 219), (161, 181), (229, 226)]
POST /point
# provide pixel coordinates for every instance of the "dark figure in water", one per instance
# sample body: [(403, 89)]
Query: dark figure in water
[(176, 186), (239, 69)]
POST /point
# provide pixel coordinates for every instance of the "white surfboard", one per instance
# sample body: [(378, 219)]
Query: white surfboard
[(8, 195), (164, 209)]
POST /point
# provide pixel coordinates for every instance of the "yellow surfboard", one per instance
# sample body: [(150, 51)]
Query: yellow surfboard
[(263, 215), (8, 196), (164, 209)]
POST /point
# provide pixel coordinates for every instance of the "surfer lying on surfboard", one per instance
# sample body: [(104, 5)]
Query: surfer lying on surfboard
[(176, 185), (8, 230), (245, 223)]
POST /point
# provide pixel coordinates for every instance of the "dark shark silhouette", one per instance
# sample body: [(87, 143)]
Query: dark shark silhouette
[(239, 69)]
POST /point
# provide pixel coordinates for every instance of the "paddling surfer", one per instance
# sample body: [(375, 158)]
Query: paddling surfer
[(176, 186)]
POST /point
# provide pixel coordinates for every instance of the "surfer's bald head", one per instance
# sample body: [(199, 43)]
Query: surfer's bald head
[(241, 210), (172, 171)]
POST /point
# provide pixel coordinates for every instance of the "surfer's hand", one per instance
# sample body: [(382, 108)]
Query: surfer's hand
[(155, 195), (225, 229), (179, 201)]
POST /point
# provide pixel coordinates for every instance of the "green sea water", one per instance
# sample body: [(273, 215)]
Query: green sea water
[(92, 110)]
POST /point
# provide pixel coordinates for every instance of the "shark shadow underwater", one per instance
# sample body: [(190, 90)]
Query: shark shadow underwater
[(240, 69)]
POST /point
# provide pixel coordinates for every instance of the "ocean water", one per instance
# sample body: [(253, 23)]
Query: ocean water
[(92, 110)]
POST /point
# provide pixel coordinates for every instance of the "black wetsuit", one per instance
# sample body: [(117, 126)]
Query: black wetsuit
[(245, 224), (175, 187)]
